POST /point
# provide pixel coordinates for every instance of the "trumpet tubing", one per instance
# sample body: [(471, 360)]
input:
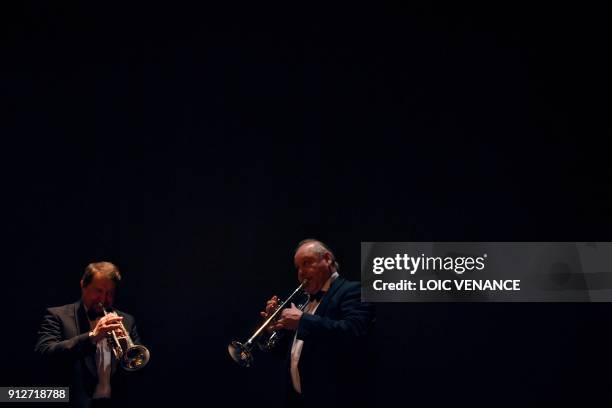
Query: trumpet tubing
[(132, 356), (241, 352)]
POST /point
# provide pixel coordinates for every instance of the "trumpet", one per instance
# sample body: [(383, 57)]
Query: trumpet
[(132, 356), (241, 352)]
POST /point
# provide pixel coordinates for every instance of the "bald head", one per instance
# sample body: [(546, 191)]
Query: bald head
[(316, 262), (319, 248)]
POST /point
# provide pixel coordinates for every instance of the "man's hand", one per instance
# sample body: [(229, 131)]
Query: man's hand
[(271, 306), (290, 318), (105, 325)]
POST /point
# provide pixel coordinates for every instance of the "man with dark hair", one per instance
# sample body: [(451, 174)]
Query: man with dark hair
[(105, 269), (328, 362), (73, 339)]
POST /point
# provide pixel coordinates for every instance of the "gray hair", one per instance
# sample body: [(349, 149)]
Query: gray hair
[(320, 249)]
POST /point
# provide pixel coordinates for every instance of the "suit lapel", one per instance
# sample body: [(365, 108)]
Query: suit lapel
[(82, 323), (335, 286), (83, 326)]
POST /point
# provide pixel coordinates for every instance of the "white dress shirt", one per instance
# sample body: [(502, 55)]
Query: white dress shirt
[(296, 348), (103, 365)]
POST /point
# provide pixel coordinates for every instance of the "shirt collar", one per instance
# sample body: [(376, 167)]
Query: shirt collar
[(328, 283)]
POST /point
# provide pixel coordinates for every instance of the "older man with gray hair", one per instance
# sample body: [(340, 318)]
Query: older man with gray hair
[(328, 363)]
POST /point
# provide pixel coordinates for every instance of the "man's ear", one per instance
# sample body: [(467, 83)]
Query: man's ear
[(82, 287)]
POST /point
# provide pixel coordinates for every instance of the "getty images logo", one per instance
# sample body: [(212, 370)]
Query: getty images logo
[(404, 262)]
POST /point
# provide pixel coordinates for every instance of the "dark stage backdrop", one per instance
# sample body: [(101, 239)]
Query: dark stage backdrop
[(195, 146)]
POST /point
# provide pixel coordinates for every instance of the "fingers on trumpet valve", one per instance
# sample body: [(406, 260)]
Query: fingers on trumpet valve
[(271, 306)]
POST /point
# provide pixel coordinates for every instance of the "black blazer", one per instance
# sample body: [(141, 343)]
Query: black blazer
[(64, 346), (336, 362)]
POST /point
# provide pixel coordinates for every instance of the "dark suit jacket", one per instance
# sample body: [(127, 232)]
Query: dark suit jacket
[(336, 362), (64, 345)]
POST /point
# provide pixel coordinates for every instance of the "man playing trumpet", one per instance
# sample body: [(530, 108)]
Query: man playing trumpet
[(74, 338), (328, 360)]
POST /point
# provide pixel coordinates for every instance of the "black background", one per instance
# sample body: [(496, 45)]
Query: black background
[(194, 146)]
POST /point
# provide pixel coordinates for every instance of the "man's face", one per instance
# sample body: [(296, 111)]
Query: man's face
[(312, 266), (100, 289)]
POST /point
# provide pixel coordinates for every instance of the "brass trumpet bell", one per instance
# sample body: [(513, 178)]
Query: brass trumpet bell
[(240, 353)]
